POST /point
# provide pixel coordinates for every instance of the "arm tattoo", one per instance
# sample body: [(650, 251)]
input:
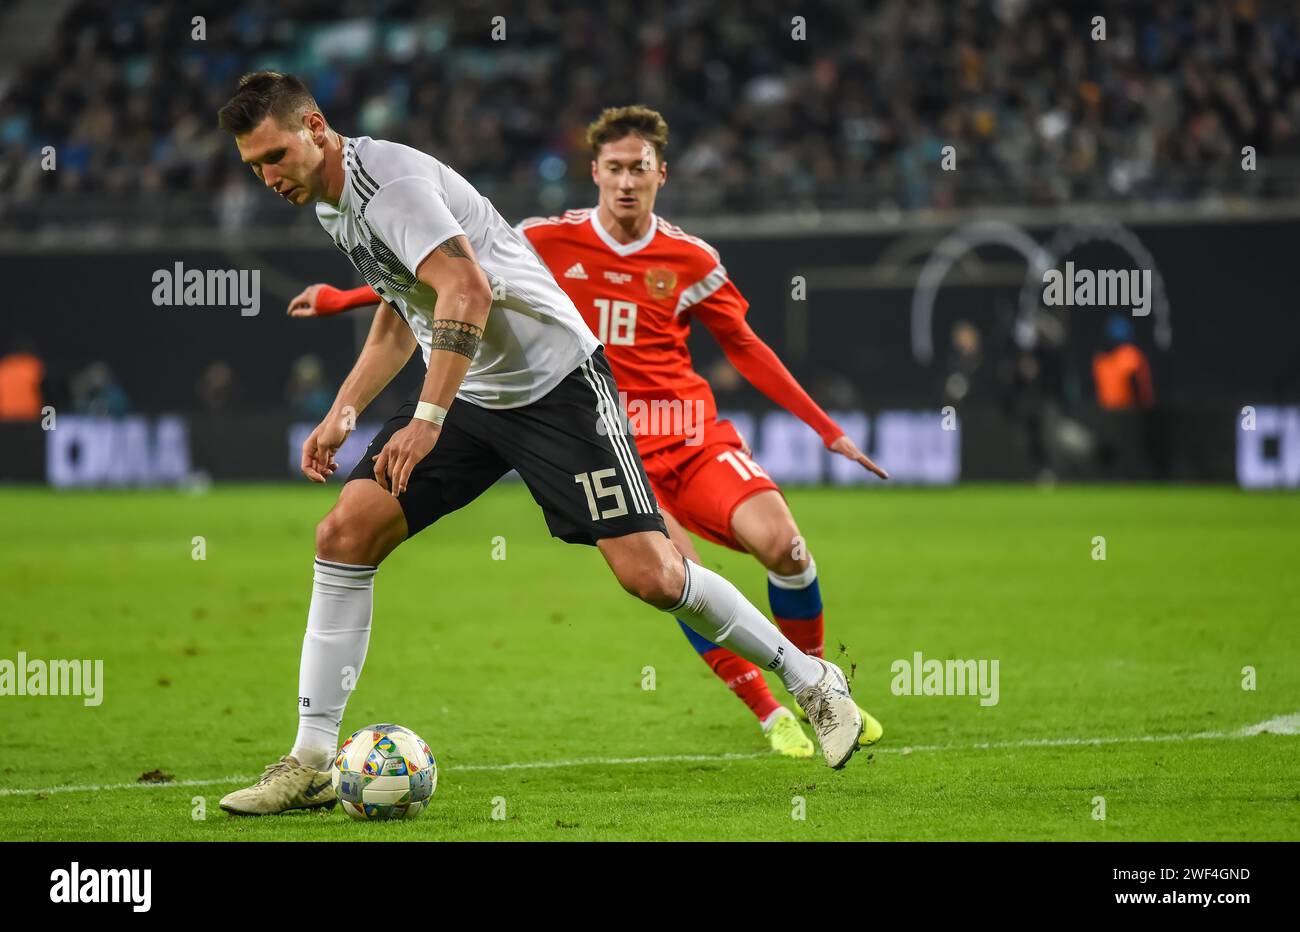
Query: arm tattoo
[(457, 336), (452, 248)]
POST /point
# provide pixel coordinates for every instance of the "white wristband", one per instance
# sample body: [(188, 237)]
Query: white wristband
[(431, 412)]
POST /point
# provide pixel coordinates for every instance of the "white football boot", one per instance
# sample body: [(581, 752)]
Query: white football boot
[(833, 714), (285, 785)]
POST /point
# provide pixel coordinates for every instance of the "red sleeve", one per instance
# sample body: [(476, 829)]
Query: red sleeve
[(330, 300), (723, 312)]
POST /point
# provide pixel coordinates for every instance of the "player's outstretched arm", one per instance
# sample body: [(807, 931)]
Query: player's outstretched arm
[(321, 300), (459, 316), (388, 346), (763, 369)]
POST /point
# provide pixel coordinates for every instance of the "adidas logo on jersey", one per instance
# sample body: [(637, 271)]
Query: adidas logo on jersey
[(575, 271)]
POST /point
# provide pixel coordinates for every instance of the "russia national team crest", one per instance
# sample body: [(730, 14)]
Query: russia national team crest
[(661, 283)]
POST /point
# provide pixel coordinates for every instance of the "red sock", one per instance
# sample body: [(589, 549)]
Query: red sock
[(807, 634), (744, 679)]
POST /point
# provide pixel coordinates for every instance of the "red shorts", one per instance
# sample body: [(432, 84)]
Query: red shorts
[(701, 485)]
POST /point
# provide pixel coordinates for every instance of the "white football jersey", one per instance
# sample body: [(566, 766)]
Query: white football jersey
[(398, 205)]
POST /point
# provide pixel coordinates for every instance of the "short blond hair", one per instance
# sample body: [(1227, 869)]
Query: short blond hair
[(614, 123)]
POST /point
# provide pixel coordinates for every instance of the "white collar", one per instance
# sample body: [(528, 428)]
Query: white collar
[(623, 249)]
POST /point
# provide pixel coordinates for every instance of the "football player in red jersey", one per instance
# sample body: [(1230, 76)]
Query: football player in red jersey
[(639, 282)]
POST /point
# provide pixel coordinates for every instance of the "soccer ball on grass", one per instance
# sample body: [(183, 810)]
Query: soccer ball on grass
[(384, 772)]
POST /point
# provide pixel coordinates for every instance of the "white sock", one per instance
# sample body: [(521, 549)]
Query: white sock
[(333, 651), (715, 608)]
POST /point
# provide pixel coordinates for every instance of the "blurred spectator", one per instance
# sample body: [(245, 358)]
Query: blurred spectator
[(307, 394), (1033, 378), (95, 391), (1134, 427), (217, 389), (1121, 371), (724, 378), (21, 375), (965, 360)]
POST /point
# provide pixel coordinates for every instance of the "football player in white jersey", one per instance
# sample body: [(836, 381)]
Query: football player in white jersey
[(515, 380)]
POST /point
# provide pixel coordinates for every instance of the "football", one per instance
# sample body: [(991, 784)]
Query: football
[(384, 772)]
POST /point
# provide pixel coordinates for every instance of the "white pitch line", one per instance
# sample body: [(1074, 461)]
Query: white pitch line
[(1279, 725), (610, 761), (97, 787)]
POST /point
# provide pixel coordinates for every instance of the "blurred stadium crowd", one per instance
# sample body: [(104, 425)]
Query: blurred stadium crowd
[(776, 109), (855, 114)]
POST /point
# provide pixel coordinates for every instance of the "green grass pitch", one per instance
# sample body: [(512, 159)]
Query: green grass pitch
[(1119, 679)]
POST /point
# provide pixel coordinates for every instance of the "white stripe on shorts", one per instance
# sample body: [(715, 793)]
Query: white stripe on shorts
[(618, 440)]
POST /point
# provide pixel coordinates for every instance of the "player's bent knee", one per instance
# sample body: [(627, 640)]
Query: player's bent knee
[(783, 551), (350, 534), (658, 583), (337, 540)]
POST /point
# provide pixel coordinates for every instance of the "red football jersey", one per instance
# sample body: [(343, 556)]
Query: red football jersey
[(638, 299)]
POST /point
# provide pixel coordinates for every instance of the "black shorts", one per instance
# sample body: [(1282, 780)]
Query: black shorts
[(570, 447)]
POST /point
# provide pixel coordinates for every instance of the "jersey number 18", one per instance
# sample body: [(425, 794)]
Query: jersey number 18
[(617, 322)]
